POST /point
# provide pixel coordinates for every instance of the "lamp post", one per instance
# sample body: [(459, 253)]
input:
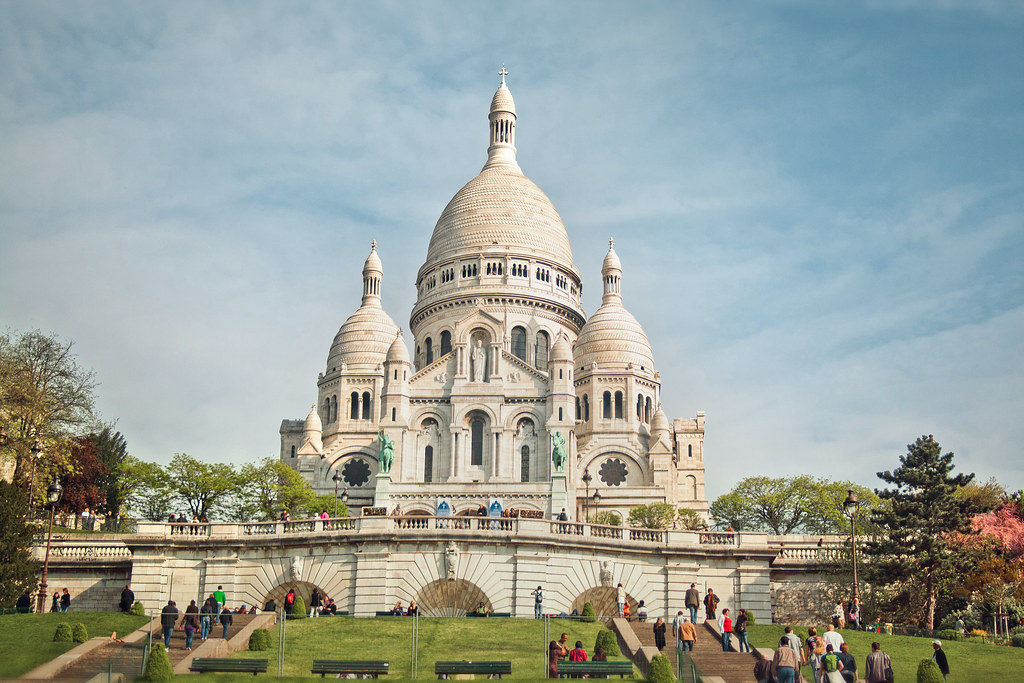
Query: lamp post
[(586, 500), (597, 500), (37, 450), (336, 478), (52, 496), (850, 505)]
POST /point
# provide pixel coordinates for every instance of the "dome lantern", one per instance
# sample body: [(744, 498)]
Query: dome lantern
[(373, 272), (611, 274), (502, 148)]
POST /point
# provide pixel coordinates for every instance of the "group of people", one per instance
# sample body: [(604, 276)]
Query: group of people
[(186, 526), (61, 602), (410, 611), (559, 650), (198, 619)]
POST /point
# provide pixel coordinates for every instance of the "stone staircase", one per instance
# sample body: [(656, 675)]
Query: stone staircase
[(731, 667)]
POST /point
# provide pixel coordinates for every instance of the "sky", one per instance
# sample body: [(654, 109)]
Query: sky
[(819, 207)]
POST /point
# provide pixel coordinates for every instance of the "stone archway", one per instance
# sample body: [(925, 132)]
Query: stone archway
[(448, 598), (603, 600), (303, 589)]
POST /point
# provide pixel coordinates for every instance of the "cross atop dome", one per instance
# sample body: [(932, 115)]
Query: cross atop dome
[(503, 73)]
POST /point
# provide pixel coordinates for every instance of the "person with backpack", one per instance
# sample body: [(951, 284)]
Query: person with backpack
[(289, 601), (831, 667), (538, 599)]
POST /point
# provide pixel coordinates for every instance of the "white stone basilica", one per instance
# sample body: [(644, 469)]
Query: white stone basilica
[(506, 365)]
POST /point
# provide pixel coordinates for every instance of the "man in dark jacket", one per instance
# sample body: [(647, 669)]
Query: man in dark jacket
[(226, 620), (127, 598), (168, 616), (940, 658)]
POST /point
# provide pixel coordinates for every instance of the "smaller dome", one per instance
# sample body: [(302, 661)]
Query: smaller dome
[(613, 338), (659, 423), (561, 351), (313, 423), (502, 100), (611, 259), (397, 352), (373, 264)]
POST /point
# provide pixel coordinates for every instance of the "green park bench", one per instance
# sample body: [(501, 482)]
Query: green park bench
[(234, 666), (389, 613), (492, 614), (495, 669), (592, 669), (343, 668)]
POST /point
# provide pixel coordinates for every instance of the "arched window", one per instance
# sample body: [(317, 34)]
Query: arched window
[(476, 428), (334, 408), (606, 405), (354, 407), (430, 350), (542, 350), (293, 451), (519, 343), (446, 343), (647, 411), (367, 405), (640, 408), (586, 408), (393, 411), (579, 411), (618, 405), (559, 414), (690, 487), (689, 450), (525, 465), (428, 464)]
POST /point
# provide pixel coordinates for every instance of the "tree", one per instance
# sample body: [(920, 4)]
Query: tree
[(83, 486), (201, 486), (270, 487), (44, 395), (112, 451), (653, 516), (607, 517), (912, 547), (689, 519), (145, 488), (17, 568), (986, 497)]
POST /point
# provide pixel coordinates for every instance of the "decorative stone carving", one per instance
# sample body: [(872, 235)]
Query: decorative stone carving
[(514, 376), (606, 573), (451, 560), (441, 377), (478, 356), (296, 571)]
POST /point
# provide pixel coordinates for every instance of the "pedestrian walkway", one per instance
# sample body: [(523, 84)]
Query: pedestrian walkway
[(733, 667)]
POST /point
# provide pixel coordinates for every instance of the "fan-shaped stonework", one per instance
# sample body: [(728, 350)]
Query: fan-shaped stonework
[(450, 598), (603, 600)]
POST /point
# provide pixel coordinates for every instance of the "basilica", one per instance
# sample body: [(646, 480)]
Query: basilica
[(511, 396)]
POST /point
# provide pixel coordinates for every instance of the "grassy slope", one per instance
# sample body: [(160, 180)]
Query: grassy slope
[(969, 662), (520, 641), (26, 640)]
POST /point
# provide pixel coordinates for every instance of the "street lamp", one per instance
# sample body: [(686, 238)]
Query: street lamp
[(850, 505), (336, 478), (52, 496), (586, 500), (597, 500), (37, 450)]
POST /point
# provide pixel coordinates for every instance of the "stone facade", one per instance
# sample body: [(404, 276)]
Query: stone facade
[(505, 365)]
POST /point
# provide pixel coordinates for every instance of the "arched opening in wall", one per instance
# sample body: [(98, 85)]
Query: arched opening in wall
[(476, 436), (525, 463), (606, 405), (640, 408), (618, 405), (450, 598), (303, 589), (428, 464), (429, 344), (446, 343), (334, 408), (543, 344), (579, 411), (519, 342), (354, 405), (367, 405), (293, 451), (477, 354), (603, 600), (690, 487), (586, 408), (647, 411)]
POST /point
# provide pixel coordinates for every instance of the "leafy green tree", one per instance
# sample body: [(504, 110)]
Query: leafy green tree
[(607, 517), (202, 487), (985, 497), (17, 568), (269, 487), (689, 519), (913, 549), (112, 451), (653, 516), (145, 488)]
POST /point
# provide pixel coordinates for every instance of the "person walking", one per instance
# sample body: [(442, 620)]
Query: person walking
[(659, 634), (168, 616), (225, 621), (710, 604), (55, 605), (939, 657), (315, 602), (785, 663), (221, 599), (692, 602), (127, 598), (794, 642), (762, 668), (725, 626), (676, 621), (849, 669), (191, 623), (65, 601), (620, 598), (815, 650), (740, 629), (831, 667), (878, 667), (687, 634), (538, 601), (207, 614)]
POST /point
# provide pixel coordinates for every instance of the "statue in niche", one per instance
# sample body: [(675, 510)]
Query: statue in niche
[(451, 559), (558, 451), (386, 454), (297, 568), (478, 356), (606, 573)]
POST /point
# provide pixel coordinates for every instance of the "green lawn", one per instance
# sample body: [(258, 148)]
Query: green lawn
[(520, 641), (26, 640), (969, 661)]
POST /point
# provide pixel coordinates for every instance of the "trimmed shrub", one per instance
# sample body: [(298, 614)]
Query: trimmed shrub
[(79, 633), (158, 667), (607, 641), (949, 634), (588, 613), (298, 610), (137, 609), (928, 672), (260, 639), (1018, 640), (661, 670), (750, 619), (63, 633)]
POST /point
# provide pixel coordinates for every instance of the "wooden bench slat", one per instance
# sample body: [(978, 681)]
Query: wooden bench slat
[(338, 666), (496, 668), (620, 669), (213, 664)]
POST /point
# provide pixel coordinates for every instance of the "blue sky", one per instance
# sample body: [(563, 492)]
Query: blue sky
[(819, 207)]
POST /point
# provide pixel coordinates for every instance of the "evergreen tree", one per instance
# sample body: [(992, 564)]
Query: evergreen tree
[(17, 568), (912, 552)]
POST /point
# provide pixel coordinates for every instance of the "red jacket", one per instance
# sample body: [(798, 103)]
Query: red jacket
[(578, 655), (727, 625)]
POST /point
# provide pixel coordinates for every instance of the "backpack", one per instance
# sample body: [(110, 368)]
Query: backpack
[(538, 598), (830, 662)]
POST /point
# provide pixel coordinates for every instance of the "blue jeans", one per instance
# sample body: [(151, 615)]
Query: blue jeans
[(190, 633), (204, 627), (693, 614), (687, 646), (167, 637), (786, 674), (538, 610), (741, 637), (726, 640), (225, 634)]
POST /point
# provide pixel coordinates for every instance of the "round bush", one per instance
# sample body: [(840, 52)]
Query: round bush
[(79, 633), (298, 610), (750, 619), (928, 672), (260, 639), (158, 667), (138, 609), (661, 670), (606, 641), (63, 633), (1018, 640), (588, 613)]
